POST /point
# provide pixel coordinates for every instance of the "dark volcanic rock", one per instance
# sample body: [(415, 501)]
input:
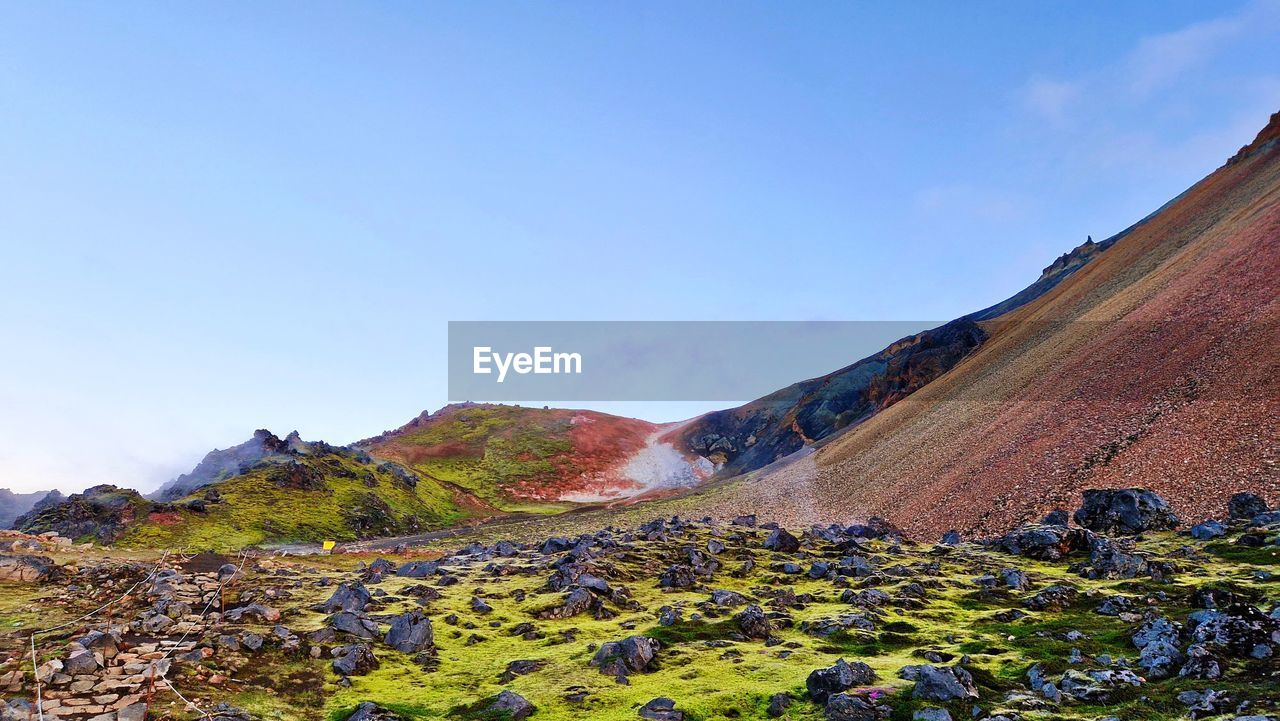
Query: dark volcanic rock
[(633, 654), (940, 683), (824, 682), (510, 704), (781, 541), (411, 633), (753, 623), (661, 709), (1244, 506), (369, 711), (349, 597), (1044, 543), (844, 707), (1124, 512), (356, 659)]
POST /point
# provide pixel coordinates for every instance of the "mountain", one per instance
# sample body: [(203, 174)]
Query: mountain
[(1151, 362), (518, 458), (13, 504), (218, 465)]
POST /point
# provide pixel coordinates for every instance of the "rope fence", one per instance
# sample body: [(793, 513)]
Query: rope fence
[(216, 594)]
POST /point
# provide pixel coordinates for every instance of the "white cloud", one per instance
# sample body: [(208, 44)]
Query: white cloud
[(1051, 99)]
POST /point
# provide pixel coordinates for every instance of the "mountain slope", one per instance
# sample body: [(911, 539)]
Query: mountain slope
[(519, 458), (13, 504), (1154, 365)]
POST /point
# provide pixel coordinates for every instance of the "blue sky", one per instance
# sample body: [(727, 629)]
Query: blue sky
[(223, 216)]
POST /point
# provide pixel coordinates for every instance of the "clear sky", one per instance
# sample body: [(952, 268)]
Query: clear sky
[(216, 217)]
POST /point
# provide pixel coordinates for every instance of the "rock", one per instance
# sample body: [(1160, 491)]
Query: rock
[(1157, 639), (226, 712), (263, 613), (753, 623), (411, 633), (748, 521), (80, 662), (680, 575), (951, 538), (1015, 579), (940, 683), (349, 597), (844, 707), (1056, 517), (479, 606), (1126, 511), (633, 654), (1053, 598), (782, 542), (1200, 664), (26, 569), (721, 597), (510, 704), (715, 546), (1208, 530), (1097, 686), (521, 667), (355, 659), (369, 711), (355, 624), (1244, 506), (661, 709), (778, 704), (1043, 543), (418, 569), (932, 714), (1235, 630), (824, 682)]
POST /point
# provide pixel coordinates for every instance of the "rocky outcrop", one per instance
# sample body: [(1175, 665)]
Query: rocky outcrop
[(1125, 512), (101, 513)]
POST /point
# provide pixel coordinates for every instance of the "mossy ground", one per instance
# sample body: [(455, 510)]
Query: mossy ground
[(711, 675)]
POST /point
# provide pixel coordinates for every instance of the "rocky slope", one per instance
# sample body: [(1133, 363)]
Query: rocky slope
[(676, 620), (1153, 364)]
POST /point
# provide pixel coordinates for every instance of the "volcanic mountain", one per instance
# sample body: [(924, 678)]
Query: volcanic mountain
[(1154, 362)]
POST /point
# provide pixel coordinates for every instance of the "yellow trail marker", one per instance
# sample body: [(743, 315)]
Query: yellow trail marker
[(328, 545)]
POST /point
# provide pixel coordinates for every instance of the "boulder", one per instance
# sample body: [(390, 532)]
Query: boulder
[(721, 597), (1126, 511), (778, 704), (411, 633), (753, 623), (824, 682), (634, 654), (661, 709), (510, 705), (1043, 543), (1208, 531), (369, 711), (1244, 506), (781, 541), (355, 624), (1097, 686), (940, 683), (845, 707), (355, 659), (1157, 640), (26, 569), (349, 597)]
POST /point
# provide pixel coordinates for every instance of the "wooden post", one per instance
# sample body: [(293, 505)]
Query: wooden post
[(151, 690)]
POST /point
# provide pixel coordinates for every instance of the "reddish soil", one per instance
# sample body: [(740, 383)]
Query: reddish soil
[(1155, 365)]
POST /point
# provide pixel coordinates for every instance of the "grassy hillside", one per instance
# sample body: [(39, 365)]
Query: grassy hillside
[(516, 458)]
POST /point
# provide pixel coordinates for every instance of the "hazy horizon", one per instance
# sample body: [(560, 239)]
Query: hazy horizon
[(224, 217)]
